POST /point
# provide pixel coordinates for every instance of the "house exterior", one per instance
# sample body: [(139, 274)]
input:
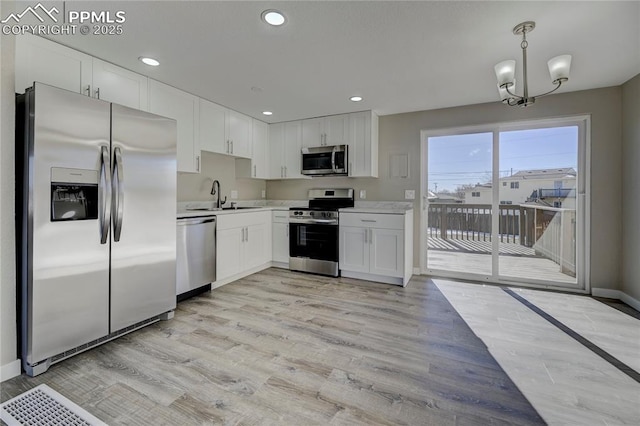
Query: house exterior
[(550, 187)]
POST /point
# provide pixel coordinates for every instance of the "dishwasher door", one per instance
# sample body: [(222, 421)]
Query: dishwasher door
[(196, 253)]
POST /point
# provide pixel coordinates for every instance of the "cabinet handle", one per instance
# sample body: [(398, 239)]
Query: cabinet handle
[(368, 220), (247, 228), (285, 171), (254, 171), (232, 147), (197, 163), (287, 229), (88, 90), (366, 235), (227, 146), (98, 93)]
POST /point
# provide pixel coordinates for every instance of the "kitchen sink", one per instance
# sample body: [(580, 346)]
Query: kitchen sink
[(203, 209)]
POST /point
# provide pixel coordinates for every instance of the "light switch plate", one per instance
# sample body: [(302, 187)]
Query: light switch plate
[(234, 195), (363, 194), (264, 193), (409, 194)]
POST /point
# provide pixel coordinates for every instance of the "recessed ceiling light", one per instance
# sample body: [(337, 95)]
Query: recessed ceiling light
[(273, 17), (355, 98), (149, 61), (267, 113)]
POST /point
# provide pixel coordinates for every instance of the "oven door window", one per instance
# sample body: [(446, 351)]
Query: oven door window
[(313, 241)]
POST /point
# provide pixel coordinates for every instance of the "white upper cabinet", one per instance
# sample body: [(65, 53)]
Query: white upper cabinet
[(363, 144), (259, 155), (276, 151), (213, 118), (312, 133), (224, 131), (184, 108), (118, 85), (258, 166), (322, 131), (239, 134), (285, 145), (38, 59)]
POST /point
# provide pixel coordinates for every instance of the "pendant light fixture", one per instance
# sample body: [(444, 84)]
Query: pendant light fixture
[(505, 72)]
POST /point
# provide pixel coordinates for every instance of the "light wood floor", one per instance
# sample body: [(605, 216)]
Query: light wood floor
[(285, 348)]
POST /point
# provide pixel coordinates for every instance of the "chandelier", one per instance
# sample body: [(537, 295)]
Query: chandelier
[(506, 70)]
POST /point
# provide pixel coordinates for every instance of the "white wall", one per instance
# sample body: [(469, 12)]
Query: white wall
[(631, 187), (400, 133), (9, 365)]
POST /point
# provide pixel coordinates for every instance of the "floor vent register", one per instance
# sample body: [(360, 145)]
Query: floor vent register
[(44, 406)]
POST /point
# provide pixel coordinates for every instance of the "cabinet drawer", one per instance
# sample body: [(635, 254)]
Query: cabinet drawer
[(280, 216), (372, 220), (238, 220)]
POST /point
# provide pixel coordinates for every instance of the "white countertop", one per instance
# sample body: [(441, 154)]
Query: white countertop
[(202, 213)]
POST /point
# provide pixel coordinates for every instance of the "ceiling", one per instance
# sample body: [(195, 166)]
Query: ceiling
[(400, 56)]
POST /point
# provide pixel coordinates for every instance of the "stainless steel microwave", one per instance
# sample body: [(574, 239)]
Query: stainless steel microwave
[(325, 160)]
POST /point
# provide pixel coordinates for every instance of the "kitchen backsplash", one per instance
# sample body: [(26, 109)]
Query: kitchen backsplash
[(197, 186)]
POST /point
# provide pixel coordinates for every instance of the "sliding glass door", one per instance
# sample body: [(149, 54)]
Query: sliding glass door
[(506, 203)]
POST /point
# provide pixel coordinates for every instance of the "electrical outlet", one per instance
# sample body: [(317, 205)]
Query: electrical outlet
[(264, 193), (409, 194), (363, 194), (234, 194)]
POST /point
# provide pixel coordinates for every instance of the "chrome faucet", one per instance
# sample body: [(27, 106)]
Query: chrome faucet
[(215, 190)]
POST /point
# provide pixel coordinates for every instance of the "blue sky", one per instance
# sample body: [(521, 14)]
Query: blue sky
[(466, 159)]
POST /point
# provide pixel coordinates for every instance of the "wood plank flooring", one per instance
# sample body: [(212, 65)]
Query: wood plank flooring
[(283, 348)]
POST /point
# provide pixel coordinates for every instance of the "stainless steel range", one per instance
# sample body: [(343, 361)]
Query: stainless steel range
[(313, 236)]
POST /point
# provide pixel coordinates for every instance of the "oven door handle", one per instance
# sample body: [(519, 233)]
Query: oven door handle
[(315, 221)]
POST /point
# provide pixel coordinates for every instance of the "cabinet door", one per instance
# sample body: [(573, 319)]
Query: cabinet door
[(354, 249), (118, 85), (336, 129), (212, 132), (280, 245), (259, 155), (256, 251), (312, 133), (363, 144), (239, 135), (292, 149), (229, 247), (276, 152), (38, 59), (387, 252), (184, 108)]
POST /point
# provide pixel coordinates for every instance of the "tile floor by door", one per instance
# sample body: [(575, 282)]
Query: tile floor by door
[(284, 348)]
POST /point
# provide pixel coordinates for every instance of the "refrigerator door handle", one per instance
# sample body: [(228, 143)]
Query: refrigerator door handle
[(105, 195), (118, 193)]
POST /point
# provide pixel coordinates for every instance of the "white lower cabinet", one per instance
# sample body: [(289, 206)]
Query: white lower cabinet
[(243, 243), (377, 247), (280, 245)]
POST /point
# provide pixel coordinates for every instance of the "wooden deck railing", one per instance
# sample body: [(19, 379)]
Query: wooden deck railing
[(550, 231)]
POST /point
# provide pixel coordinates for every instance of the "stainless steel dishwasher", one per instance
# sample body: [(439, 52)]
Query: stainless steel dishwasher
[(196, 255)]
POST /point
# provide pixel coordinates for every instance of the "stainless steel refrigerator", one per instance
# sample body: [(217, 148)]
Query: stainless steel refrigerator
[(96, 203)]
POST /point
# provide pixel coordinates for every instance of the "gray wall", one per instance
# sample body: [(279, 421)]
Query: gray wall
[(400, 133), (631, 187), (197, 187), (7, 208)]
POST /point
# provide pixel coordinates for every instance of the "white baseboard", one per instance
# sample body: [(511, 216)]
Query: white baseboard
[(11, 370), (616, 294)]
